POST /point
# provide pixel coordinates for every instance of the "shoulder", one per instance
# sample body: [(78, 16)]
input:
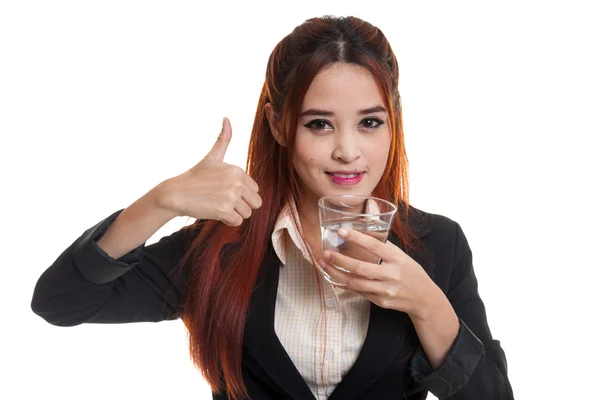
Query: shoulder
[(444, 241), (432, 226)]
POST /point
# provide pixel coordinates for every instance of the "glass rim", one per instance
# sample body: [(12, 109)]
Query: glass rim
[(385, 213)]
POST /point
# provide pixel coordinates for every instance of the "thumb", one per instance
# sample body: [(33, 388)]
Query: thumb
[(220, 147)]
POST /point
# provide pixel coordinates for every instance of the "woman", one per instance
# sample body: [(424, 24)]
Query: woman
[(244, 278)]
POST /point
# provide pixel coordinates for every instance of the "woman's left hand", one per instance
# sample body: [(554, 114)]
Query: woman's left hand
[(397, 283)]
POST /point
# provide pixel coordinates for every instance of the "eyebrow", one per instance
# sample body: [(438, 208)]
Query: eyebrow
[(325, 113)]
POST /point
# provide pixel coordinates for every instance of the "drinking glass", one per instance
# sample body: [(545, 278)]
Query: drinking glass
[(366, 214)]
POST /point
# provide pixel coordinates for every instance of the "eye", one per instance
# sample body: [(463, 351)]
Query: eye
[(371, 123), (319, 125)]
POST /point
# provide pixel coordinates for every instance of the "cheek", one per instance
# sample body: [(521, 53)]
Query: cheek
[(306, 155), (378, 155)]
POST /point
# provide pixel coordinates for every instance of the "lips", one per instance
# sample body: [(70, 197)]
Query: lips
[(345, 178)]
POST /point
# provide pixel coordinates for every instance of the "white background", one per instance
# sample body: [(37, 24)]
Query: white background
[(100, 101)]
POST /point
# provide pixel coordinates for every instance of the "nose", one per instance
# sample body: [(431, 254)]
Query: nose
[(347, 148)]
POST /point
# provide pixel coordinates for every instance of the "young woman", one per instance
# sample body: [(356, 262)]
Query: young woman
[(263, 322)]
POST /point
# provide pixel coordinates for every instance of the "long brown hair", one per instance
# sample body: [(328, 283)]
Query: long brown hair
[(221, 282)]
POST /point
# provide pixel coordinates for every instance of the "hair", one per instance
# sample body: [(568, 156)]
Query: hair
[(221, 282)]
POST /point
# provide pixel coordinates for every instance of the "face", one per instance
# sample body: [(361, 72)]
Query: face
[(343, 134)]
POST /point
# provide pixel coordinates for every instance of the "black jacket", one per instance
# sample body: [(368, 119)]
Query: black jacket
[(85, 285)]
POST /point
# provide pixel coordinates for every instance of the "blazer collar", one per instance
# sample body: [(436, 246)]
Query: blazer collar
[(385, 334)]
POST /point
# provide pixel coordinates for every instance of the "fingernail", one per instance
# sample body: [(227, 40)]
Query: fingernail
[(327, 254), (342, 232), (322, 264)]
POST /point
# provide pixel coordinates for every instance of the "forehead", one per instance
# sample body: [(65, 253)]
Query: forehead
[(343, 85)]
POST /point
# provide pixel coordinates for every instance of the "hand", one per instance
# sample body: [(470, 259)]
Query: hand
[(213, 189), (398, 282)]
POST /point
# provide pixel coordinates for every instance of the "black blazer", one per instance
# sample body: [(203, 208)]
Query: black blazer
[(85, 285)]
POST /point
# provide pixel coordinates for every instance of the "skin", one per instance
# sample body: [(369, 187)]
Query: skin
[(339, 135)]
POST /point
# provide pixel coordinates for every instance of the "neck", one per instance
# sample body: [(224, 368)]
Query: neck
[(308, 212)]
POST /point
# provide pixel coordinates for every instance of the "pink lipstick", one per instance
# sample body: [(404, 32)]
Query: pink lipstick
[(345, 178)]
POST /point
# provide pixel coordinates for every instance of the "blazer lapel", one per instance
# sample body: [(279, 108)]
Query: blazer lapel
[(384, 339), (260, 339)]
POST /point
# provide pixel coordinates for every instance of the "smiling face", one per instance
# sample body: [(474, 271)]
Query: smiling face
[(343, 135)]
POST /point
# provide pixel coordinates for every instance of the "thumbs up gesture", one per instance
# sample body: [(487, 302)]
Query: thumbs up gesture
[(213, 189)]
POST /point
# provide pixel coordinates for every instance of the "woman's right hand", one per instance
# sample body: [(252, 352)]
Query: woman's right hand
[(212, 189)]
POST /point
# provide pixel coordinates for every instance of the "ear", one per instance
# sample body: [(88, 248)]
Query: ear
[(270, 114)]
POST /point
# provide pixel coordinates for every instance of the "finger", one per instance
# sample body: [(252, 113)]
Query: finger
[(354, 266), (251, 183), (251, 198), (369, 243), (232, 219), (220, 147), (243, 209), (349, 280)]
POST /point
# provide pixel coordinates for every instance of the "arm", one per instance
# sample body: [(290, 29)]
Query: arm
[(475, 365), (87, 284), (438, 329), (136, 224), (109, 275)]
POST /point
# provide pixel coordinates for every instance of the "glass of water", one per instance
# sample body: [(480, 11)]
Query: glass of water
[(366, 214)]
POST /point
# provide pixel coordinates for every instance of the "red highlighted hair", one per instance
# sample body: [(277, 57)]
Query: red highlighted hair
[(220, 288)]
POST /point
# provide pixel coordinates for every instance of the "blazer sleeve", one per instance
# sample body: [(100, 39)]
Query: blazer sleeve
[(475, 367), (86, 285)]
